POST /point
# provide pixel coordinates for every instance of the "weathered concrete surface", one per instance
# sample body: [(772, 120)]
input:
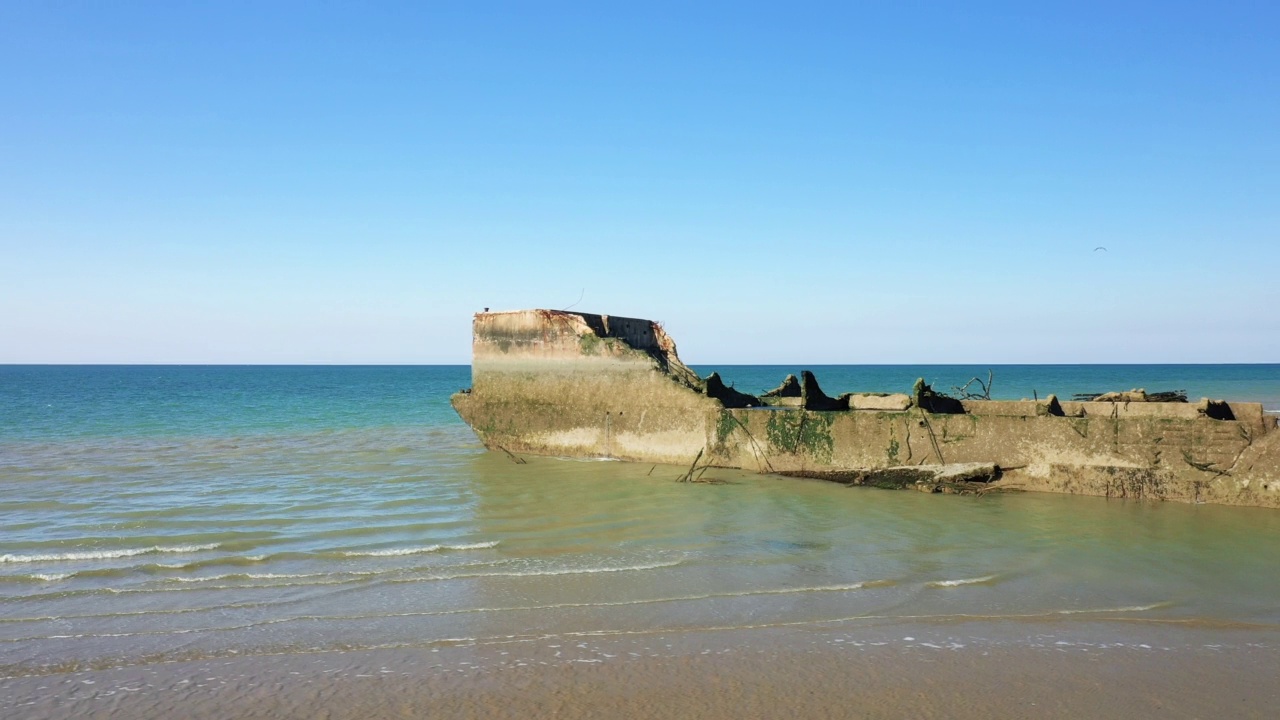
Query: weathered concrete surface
[(575, 384), (1013, 408), (877, 401)]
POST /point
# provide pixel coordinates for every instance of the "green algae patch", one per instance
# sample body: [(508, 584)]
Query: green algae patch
[(725, 427), (802, 432), (891, 453)]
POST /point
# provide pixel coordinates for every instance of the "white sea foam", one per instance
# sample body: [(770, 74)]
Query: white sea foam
[(262, 576), (565, 571), (1125, 609), (106, 554), (818, 588), (188, 585), (962, 581), (392, 552), (36, 577)]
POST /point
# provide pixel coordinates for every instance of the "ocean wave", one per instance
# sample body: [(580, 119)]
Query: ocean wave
[(234, 560), (105, 554), (410, 575), (1124, 609), (424, 613), (818, 588), (261, 576), (36, 577), (622, 603), (962, 581), (145, 569), (393, 552), (556, 571), (189, 585)]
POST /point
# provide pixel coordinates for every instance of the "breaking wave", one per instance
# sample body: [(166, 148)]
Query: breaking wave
[(262, 576), (36, 577), (1124, 609), (962, 581), (562, 571), (105, 554), (392, 552)]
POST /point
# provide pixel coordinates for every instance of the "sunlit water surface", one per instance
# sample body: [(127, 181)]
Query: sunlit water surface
[(154, 514)]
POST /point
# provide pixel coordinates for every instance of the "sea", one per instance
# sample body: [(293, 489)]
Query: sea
[(159, 515)]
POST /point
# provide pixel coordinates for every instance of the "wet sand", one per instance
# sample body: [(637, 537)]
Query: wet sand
[(970, 670)]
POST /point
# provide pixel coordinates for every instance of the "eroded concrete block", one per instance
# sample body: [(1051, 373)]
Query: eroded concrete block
[(878, 401), (1186, 411), (1014, 408)]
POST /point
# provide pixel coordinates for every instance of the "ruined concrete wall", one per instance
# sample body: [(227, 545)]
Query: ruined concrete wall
[(582, 385), (1256, 472), (1195, 459)]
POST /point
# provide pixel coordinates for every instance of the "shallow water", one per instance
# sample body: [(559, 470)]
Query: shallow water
[(293, 511)]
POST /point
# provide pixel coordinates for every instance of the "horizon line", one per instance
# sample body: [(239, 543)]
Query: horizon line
[(696, 363)]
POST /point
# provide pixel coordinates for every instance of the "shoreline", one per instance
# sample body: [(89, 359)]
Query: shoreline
[(953, 670)]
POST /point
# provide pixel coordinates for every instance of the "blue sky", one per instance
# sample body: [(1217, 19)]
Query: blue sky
[(278, 182)]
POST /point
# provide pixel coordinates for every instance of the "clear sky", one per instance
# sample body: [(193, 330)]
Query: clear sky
[(267, 182)]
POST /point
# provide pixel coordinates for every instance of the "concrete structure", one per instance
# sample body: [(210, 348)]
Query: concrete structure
[(580, 385)]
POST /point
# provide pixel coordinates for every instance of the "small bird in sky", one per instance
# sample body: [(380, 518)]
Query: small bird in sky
[(1101, 248)]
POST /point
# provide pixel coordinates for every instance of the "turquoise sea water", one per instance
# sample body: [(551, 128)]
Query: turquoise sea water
[(154, 513), (67, 401)]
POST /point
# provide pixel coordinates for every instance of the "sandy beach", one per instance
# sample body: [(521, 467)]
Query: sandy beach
[(966, 670)]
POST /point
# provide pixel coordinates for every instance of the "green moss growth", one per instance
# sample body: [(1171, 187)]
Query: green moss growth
[(783, 431), (725, 427), (891, 454), (801, 432)]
